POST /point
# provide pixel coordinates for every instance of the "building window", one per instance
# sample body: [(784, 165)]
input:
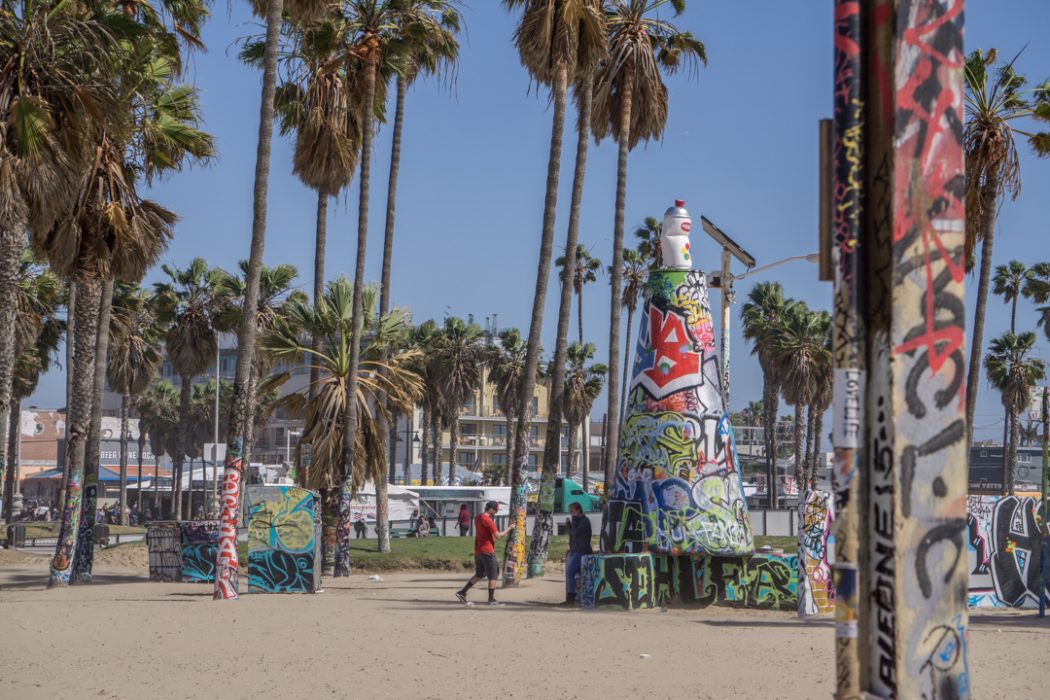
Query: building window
[(535, 405), (465, 460), (469, 406), (565, 432), (468, 429), (534, 432), (534, 461), (499, 459), (984, 453), (499, 431)]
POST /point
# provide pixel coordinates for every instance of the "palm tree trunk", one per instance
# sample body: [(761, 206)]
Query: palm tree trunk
[(185, 390), (514, 558), (570, 471), (615, 282), (818, 423), (156, 484), (11, 476), (544, 522), (85, 556), (627, 357), (807, 461), (508, 472), (989, 195), (342, 562), (435, 447), (1013, 452), (77, 426), (453, 445), (800, 472), (320, 242), (382, 506), (226, 561), (424, 452), (70, 312), (125, 401), (769, 397), (579, 313), (1013, 314), (138, 478), (1006, 452), (12, 242)]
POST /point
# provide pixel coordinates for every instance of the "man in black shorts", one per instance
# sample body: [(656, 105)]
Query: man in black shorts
[(485, 565)]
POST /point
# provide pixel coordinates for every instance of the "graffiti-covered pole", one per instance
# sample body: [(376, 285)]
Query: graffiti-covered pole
[(1045, 551), (914, 577), (847, 340)]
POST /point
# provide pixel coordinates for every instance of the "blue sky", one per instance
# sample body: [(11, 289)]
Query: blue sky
[(740, 147)]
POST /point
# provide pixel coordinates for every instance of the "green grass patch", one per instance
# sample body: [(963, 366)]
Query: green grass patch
[(788, 544), (41, 530)]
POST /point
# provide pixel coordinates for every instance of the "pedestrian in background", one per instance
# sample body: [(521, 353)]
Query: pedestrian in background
[(579, 544), (464, 520)]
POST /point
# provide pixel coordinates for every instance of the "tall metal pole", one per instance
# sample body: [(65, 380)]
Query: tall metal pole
[(844, 148), (913, 615), (1045, 553), (727, 300), (215, 437)]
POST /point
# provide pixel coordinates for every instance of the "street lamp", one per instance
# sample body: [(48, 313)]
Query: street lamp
[(288, 443)]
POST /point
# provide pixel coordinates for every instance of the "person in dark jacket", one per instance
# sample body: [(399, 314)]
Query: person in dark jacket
[(579, 545)]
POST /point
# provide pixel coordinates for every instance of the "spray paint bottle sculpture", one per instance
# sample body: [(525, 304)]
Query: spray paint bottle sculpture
[(677, 487)]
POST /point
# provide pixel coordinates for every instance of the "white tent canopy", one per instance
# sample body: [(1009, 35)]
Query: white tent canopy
[(401, 502)]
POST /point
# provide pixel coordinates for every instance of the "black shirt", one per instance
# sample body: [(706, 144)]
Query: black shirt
[(580, 535)]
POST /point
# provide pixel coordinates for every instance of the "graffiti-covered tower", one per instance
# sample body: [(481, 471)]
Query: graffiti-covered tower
[(677, 486)]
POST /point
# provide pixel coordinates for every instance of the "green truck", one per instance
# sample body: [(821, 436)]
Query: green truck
[(567, 492)]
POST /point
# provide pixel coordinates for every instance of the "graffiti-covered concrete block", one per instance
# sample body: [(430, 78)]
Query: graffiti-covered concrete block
[(164, 543), (616, 581), (677, 488), (200, 543), (767, 581), (284, 540), (1004, 550)]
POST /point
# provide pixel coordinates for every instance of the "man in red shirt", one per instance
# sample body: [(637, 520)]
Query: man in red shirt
[(485, 566)]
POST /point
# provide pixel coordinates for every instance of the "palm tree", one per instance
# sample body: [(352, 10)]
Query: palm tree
[(799, 352), (422, 339), (240, 407), (582, 386), (1037, 288), (507, 370), (158, 411), (557, 40), (1013, 372), (460, 358), (134, 357), (648, 235), (630, 104), (1029, 434), (38, 331), (1008, 282), (583, 269), (570, 263), (56, 68), (993, 103), (634, 275), (821, 402), (188, 306), (762, 315), (322, 408)]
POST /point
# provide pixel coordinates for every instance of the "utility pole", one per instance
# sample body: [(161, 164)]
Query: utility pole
[(215, 436), (1045, 552)]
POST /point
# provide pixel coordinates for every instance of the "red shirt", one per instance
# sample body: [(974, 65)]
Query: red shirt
[(484, 535)]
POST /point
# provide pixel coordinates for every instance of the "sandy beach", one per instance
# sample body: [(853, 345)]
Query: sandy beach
[(407, 637)]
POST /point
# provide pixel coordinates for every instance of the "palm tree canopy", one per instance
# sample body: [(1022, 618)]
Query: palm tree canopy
[(762, 315), (507, 363), (995, 100), (460, 356), (648, 235), (1009, 280), (556, 34), (158, 411), (1037, 288), (188, 306), (134, 340), (800, 353), (586, 269), (39, 296), (641, 45), (394, 383), (635, 273), (583, 382), (1011, 370), (425, 42)]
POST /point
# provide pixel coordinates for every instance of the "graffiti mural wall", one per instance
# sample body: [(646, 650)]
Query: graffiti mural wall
[(164, 542), (284, 540), (815, 584), (1003, 553), (200, 542), (677, 487), (767, 580)]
